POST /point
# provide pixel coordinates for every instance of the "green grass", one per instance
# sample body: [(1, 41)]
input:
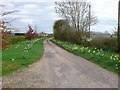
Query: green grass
[(14, 57), (106, 59)]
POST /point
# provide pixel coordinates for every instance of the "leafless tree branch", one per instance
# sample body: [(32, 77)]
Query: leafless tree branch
[(76, 14)]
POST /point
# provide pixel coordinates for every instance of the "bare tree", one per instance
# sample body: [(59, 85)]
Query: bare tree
[(76, 14), (5, 31), (4, 22), (8, 12)]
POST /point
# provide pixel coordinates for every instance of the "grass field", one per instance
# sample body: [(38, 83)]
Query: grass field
[(105, 59), (21, 55)]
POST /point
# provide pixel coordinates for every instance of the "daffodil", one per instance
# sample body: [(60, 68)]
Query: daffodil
[(93, 51), (89, 51), (110, 57)]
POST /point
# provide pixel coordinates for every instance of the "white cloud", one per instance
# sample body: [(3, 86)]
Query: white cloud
[(106, 12), (47, 1), (29, 9), (27, 21), (42, 13)]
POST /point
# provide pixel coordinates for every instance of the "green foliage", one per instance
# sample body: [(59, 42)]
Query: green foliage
[(61, 30), (64, 32), (12, 57), (16, 39), (109, 44), (105, 59)]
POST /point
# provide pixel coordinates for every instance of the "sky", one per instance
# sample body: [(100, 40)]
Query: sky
[(41, 14)]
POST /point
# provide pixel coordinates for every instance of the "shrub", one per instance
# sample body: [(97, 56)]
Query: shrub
[(16, 39), (31, 33), (4, 44), (4, 40), (109, 44)]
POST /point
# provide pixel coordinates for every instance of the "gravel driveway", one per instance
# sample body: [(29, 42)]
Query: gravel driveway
[(61, 69)]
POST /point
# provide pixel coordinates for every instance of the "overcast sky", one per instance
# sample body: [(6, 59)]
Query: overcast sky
[(42, 14)]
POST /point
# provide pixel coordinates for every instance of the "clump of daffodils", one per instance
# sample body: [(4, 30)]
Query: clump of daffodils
[(95, 52), (114, 57), (29, 46)]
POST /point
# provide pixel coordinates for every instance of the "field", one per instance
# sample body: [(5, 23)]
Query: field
[(106, 59), (21, 55)]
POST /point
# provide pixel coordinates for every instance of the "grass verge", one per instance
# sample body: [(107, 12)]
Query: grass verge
[(105, 59), (21, 55)]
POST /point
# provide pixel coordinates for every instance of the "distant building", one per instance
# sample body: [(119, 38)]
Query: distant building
[(100, 35), (50, 35), (114, 35), (17, 32), (43, 34)]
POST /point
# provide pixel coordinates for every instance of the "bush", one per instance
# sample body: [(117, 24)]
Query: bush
[(109, 44), (31, 33), (5, 35), (4, 44), (16, 39)]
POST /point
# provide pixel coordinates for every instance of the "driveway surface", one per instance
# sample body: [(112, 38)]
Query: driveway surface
[(60, 69)]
